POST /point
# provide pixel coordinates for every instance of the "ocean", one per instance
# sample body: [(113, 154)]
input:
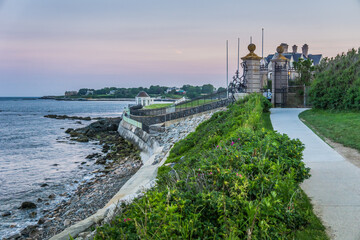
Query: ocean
[(36, 157)]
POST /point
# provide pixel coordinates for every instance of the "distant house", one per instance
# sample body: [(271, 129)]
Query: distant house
[(89, 92), (292, 57), (143, 99), (112, 92), (71, 93)]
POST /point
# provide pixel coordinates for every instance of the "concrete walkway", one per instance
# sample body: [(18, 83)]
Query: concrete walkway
[(334, 186)]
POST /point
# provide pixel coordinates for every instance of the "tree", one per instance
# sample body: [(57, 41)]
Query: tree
[(221, 89), (305, 69), (207, 88)]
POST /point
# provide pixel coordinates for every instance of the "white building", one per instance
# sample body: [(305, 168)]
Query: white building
[(143, 99)]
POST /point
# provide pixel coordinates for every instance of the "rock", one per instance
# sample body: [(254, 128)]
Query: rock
[(52, 196), (33, 214), (82, 163), (106, 148), (55, 165), (41, 221), (5, 214), (82, 139), (30, 231), (67, 222), (78, 122), (44, 185), (91, 156), (28, 205), (101, 160), (69, 130)]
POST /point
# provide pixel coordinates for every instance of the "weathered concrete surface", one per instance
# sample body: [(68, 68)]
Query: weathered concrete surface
[(140, 138), (334, 185)]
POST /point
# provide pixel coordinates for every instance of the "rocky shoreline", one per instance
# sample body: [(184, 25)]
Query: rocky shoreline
[(120, 160)]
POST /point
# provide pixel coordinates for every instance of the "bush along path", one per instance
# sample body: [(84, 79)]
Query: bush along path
[(230, 179)]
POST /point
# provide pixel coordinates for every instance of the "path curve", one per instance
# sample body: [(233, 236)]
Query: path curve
[(334, 185)]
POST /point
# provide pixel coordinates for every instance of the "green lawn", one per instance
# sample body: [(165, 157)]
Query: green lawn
[(196, 103), (159, 105), (339, 126)]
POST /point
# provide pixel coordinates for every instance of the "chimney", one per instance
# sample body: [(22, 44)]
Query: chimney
[(294, 48), (305, 50), (285, 47)]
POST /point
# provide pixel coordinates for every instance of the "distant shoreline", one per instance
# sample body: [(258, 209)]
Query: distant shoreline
[(101, 99)]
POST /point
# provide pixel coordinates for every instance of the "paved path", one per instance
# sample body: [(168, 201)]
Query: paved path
[(334, 186)]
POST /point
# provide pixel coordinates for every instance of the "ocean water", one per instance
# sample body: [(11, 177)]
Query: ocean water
[(35, 150)]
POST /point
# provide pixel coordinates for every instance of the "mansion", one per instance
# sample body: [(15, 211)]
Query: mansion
[(293, 56)]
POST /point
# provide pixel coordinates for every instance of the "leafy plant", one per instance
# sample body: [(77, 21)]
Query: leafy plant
[(337, 82), (231, 179)]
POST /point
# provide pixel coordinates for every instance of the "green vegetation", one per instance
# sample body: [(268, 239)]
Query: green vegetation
[(305, 69), (195, 103), (337, 82), (155, 106), (233, 178), (339, 126)]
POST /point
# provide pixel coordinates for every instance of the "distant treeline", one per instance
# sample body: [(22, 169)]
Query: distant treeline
[(154, 91)]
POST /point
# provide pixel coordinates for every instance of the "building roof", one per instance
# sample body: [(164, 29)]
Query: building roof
[(142, 94), (315, 57)]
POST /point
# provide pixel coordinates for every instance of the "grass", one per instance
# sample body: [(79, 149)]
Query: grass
[(159, 105), (339, 126), (196, 103), (267, 121), (314, 229)]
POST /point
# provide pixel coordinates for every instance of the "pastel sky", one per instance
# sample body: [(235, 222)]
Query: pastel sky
[(50, 46)]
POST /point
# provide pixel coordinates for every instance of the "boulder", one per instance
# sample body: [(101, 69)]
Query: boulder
[(27, 205), (5, 214)]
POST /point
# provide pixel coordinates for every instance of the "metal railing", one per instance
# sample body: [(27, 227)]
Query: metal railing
[(199, 101), (133, 122)]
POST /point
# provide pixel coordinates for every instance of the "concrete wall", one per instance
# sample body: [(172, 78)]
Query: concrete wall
[(140, 138)]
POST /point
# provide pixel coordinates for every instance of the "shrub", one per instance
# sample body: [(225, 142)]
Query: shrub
[(337, 82), (232, 179)]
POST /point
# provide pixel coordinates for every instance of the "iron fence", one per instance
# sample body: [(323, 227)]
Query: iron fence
[(199, 101)]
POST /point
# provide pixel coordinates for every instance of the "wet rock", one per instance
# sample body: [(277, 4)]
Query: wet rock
[(44, 185), (78, 122), (101, 160), (27, 205), (82, 163), (55, 165), (30, 231), (6, 214), (82, 139), (52, 196), (106, 148), (94, 155), (69, 130), (41, 221), (33, 214)]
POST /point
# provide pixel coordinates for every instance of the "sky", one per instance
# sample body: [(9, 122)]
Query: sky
[(50, 46)]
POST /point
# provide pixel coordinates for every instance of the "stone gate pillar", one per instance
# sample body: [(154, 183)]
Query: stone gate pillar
[(280, 79), (253, 77)]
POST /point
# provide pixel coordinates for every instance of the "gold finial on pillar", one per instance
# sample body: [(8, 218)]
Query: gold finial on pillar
[(280, 50), (251, 55)]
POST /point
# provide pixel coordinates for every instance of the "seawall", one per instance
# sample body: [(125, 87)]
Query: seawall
[(140, 138)]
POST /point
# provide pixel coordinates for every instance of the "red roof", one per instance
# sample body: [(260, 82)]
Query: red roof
[(143, 94)]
